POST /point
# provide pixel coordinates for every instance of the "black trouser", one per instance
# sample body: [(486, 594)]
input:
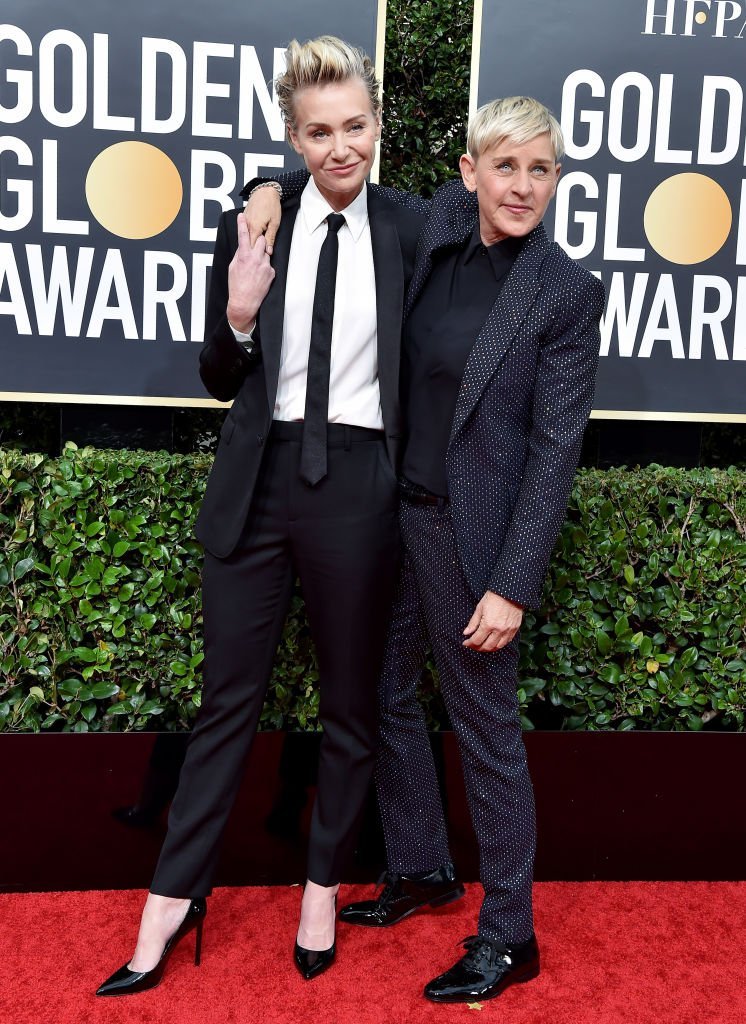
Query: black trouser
[(432, 607), (341, 538)]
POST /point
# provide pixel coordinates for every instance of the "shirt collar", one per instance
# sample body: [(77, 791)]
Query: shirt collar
[(500, 254), (315, 210)]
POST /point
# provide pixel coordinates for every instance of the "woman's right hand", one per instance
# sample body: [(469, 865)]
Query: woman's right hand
[(263, 214), (249, 276)]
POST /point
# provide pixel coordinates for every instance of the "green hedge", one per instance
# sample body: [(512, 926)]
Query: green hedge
[(426, 92), (643, 624)]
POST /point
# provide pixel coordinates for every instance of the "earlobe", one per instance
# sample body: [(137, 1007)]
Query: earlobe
[(468, 172)]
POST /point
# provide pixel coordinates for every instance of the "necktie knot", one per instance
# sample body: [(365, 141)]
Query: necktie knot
[(334, 222)]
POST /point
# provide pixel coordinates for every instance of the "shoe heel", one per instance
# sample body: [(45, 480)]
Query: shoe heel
[(198, 944), (449, 897), (530, 974)]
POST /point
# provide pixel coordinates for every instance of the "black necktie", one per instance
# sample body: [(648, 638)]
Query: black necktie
[(316, 416)]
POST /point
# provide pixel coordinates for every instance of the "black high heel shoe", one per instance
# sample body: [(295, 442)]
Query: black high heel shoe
[(312, 962), (126, 982)]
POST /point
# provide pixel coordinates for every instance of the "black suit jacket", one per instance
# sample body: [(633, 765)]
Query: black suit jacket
[(523, 404), (250, 379)]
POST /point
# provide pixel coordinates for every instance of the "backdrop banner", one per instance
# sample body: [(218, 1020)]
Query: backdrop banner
[(124, 132), (652, 198)]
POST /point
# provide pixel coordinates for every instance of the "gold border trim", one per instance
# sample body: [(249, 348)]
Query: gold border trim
[(375, 171), (162, 400), (211, 403), (674, 417), (476, 52)]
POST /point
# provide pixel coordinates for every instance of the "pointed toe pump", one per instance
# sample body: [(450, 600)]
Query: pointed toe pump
[(126, 982), (312, 962)]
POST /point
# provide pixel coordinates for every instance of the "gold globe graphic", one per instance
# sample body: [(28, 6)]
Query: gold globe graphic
[(134, 190), (688, 218)]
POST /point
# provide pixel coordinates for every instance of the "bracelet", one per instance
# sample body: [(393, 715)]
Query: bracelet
[(267, 184)]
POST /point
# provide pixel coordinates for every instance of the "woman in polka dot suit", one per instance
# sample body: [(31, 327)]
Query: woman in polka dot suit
[(499, 355)]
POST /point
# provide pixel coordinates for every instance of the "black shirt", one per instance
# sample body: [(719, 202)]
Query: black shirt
[(438, 337)]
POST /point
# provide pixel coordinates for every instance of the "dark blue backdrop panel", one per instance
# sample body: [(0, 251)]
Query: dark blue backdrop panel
[(184, 92)]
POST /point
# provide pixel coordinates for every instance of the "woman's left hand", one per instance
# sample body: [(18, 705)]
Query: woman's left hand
[(495, 622)]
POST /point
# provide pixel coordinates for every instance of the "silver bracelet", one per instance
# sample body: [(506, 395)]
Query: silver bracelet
[(267, 184)]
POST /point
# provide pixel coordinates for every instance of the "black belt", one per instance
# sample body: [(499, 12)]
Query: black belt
[(338, 435), (417, 495)]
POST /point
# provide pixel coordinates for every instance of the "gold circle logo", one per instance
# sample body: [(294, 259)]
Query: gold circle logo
[(688, 218), (700, 17), (134, 190)]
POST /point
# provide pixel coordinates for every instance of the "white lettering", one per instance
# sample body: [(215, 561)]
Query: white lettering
[(23, 188), (727, 10), (593, 118), (712, 319), (663, 154), (15, 305), (664, 303), (612, 250), (252, 162), (102, 119), (51, 223), (711, 85), (77, 76), (739, 328), (23, 80), (200, 193), (587, 220), (691, 11), (59, 291), (651, 15), (741, 241), (633, 80), (112, 276), (201, 263), (176, 89), (202, 90), (153, 296), (626, 319), (252, 82)]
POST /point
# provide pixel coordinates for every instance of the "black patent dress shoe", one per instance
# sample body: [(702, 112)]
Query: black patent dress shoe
[(313, 962), (401, 895), (486, 970), (126, 982)]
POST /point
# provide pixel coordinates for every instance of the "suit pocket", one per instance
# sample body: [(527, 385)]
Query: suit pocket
[(385, 463)]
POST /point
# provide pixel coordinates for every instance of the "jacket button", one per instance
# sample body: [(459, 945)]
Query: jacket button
[(260, 439)]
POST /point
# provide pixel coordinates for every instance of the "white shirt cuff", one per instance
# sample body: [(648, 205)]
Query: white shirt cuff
[(247, 340)]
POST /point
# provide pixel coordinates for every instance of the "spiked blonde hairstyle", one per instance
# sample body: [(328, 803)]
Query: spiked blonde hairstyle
[(518, 118), (319, 62)]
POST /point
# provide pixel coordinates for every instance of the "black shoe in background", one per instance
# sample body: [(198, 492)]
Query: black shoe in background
[(401, 895)]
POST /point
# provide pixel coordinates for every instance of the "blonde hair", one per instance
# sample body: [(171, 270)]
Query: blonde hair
[(518, 118), (319, 62)]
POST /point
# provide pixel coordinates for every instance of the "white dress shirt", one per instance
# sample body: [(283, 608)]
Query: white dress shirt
[(354, 395)]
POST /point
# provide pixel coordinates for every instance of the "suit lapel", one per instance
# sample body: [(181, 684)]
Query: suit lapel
[(501, 327), (389, 273), (448, 223), (272, 314)]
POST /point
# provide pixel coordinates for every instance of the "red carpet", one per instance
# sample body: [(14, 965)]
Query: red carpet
[(662, 952)]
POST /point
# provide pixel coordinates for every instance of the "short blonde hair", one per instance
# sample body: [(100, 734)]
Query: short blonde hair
[(319, 62), (518, 118)]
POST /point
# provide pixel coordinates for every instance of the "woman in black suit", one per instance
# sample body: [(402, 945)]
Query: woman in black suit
[(303, 483)]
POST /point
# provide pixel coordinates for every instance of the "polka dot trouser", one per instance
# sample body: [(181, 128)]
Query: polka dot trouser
[(432, 606)]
